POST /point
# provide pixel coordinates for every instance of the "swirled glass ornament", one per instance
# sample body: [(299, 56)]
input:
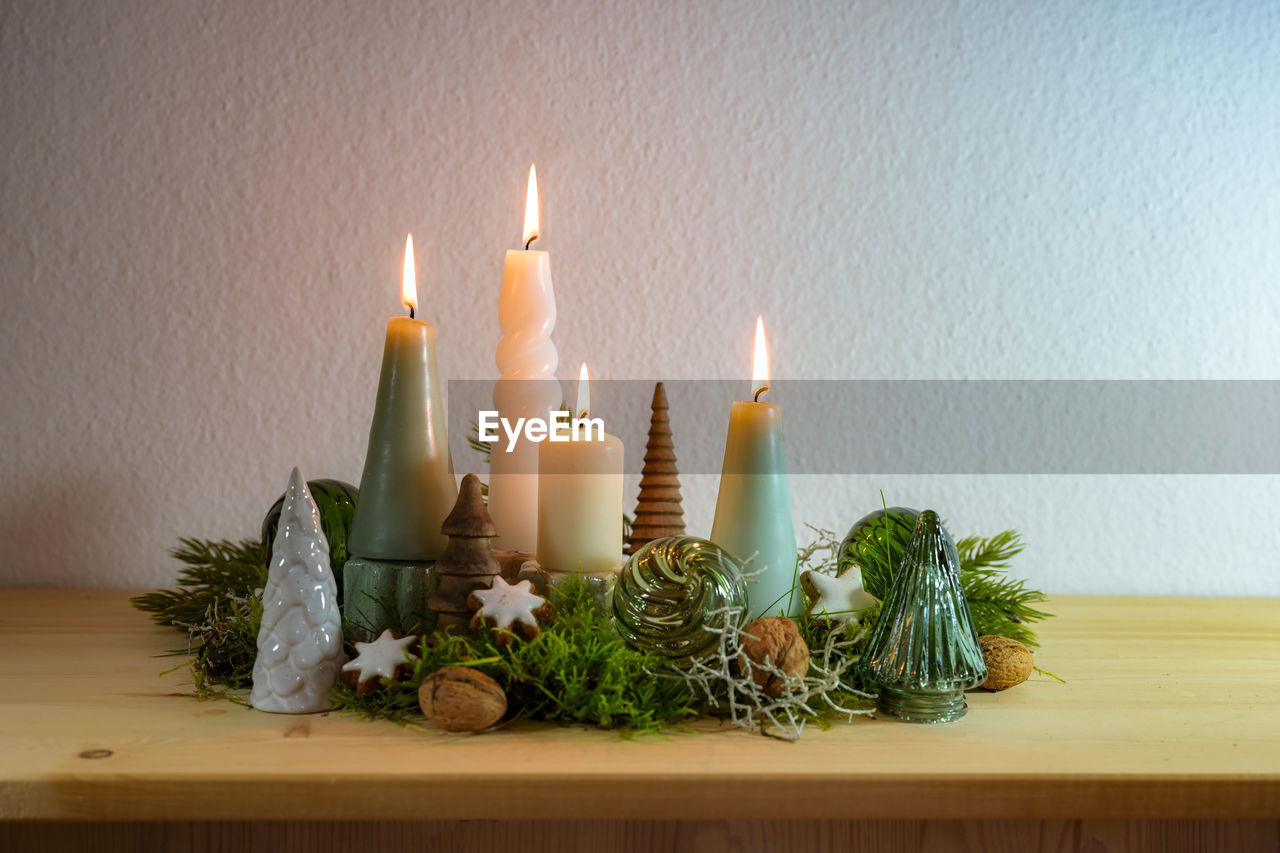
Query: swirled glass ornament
[(673, 592)]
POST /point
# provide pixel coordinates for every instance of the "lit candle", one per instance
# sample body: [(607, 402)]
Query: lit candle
[(580, 497), (527, 388), (408, 487), (753, 508)]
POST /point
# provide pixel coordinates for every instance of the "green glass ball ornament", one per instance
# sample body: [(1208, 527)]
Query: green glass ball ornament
[(336, 501), (667, 596), (876, 544)]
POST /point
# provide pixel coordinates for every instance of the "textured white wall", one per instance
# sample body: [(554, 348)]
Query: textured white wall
[(204, 206)]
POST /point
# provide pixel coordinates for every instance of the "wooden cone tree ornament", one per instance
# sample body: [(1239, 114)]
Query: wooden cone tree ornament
[(658, 509), (467, 563)]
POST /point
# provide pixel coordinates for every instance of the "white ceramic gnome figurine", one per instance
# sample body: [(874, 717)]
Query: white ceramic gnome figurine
[(300, 641)]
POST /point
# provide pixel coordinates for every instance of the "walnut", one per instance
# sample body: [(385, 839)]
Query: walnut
[(461, 699), (1008, 662), (776, 640)]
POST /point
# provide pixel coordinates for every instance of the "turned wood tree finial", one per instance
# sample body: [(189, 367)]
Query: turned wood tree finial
[(658, 509), (467, 563)]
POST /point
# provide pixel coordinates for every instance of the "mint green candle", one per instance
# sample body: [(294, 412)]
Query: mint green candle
[(753, 506)]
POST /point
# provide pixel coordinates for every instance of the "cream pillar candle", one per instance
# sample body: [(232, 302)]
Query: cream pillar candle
[(580, 498), (753, 507), (527, 388)]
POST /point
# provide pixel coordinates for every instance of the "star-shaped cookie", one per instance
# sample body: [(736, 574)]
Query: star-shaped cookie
[(386, 657), (836, 598), (512, 609)]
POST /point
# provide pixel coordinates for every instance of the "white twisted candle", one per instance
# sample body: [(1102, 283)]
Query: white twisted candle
[(527, 388)]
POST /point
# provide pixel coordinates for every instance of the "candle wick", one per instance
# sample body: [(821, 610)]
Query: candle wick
[(409, 305), (763, 388), (530, 242)]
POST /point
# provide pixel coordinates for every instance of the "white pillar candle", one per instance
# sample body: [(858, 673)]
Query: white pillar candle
[(580, 499)]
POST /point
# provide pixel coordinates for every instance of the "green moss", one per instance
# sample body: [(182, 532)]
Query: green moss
[(578, 670)]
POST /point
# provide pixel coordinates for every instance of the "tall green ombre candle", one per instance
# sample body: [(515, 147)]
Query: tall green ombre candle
[(753, 507), (407, 488)]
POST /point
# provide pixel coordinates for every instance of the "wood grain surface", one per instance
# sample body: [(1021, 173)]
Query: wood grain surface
[(736, 836), (1171, 711)]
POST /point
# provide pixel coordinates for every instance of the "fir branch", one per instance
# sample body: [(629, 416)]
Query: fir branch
[(994, 552), (484, 448), (1000, 605), (215, 573), (218, 603)]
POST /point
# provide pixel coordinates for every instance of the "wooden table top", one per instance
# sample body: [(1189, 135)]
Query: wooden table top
[(1171, 710)]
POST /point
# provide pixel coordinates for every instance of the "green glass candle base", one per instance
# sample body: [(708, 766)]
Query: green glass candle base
[(922, 707), (599, 584), (381, 594)]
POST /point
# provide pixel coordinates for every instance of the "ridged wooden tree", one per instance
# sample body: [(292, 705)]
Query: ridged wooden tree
[(658, 509), (467, 563)]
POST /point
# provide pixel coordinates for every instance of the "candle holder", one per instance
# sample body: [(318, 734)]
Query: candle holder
[(924, 652), (511, 562), (599, 584), (382, 594)]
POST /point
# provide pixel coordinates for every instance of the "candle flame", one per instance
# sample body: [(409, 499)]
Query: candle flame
[(584, 392), (531, 208), (760, 366), (409, 284)]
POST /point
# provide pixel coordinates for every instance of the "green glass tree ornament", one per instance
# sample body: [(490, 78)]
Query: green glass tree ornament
[(673, 592), (924, 653)]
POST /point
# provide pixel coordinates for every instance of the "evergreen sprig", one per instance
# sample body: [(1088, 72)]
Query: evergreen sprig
[(218, 603), (999, 604), (214, 574)]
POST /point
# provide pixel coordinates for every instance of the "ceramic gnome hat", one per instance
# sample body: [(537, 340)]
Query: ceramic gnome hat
[(924, 653), (300, 641)]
